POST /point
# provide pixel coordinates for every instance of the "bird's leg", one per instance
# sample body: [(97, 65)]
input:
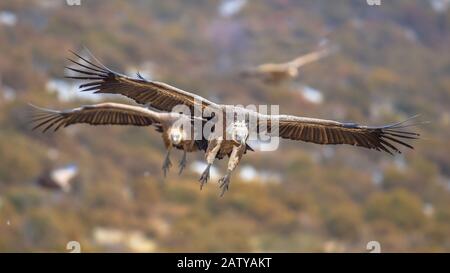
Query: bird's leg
[(183, 161), (167, 164), (211, 153), (235, 158), (205, 176), (224, 182)]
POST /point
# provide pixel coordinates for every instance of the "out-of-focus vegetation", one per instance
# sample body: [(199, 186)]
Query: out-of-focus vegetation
[(394, 61)]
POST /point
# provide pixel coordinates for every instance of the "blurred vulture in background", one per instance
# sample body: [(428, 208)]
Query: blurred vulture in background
[(59, 178), (278, 72), (173, 126), (164, 97)]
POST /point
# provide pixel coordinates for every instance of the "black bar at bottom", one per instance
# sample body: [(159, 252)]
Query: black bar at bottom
[(223, 262)]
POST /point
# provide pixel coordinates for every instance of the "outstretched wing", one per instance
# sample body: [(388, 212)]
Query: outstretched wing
[(97, 114), (158, 95), (320, 131), (311, 57)]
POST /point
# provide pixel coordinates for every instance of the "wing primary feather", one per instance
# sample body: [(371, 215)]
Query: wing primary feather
[(87, 61), (52, 123), (402, 132), (84, 72), (402, 136), (97, 60), (91, 84), (389, 145), (87, 67), (82, 78), (399, 141)]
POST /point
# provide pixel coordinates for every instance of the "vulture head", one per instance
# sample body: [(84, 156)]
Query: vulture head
[(239, 132), (176, 134)]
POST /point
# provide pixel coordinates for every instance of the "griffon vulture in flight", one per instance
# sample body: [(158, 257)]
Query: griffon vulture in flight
[(164, 97), (277, 72), (171, 125), (60, 179)]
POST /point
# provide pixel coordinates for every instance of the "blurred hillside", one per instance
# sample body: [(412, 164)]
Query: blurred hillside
[(394, 62)]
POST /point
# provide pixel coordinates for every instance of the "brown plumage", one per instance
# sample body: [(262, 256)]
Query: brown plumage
[(171, 125), (320, 131), (159, 95)]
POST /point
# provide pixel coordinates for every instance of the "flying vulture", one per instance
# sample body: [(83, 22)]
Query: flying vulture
[(60, 179), (173, 126), (164, 97), (277, 72)]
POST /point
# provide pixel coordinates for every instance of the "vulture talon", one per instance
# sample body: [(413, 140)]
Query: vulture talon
[(205, 177), (182, 164), (166, 166), (224, 184)]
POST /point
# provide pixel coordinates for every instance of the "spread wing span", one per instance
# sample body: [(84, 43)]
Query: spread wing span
[(97, 114), (321, 131)]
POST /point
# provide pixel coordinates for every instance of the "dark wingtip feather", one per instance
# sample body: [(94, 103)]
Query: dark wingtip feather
[(42, 116), (89, 62), (395, 134)]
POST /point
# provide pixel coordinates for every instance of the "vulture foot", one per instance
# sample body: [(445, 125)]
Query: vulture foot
[(205, 177), (224, 183), (166, 165), (182, 164)]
